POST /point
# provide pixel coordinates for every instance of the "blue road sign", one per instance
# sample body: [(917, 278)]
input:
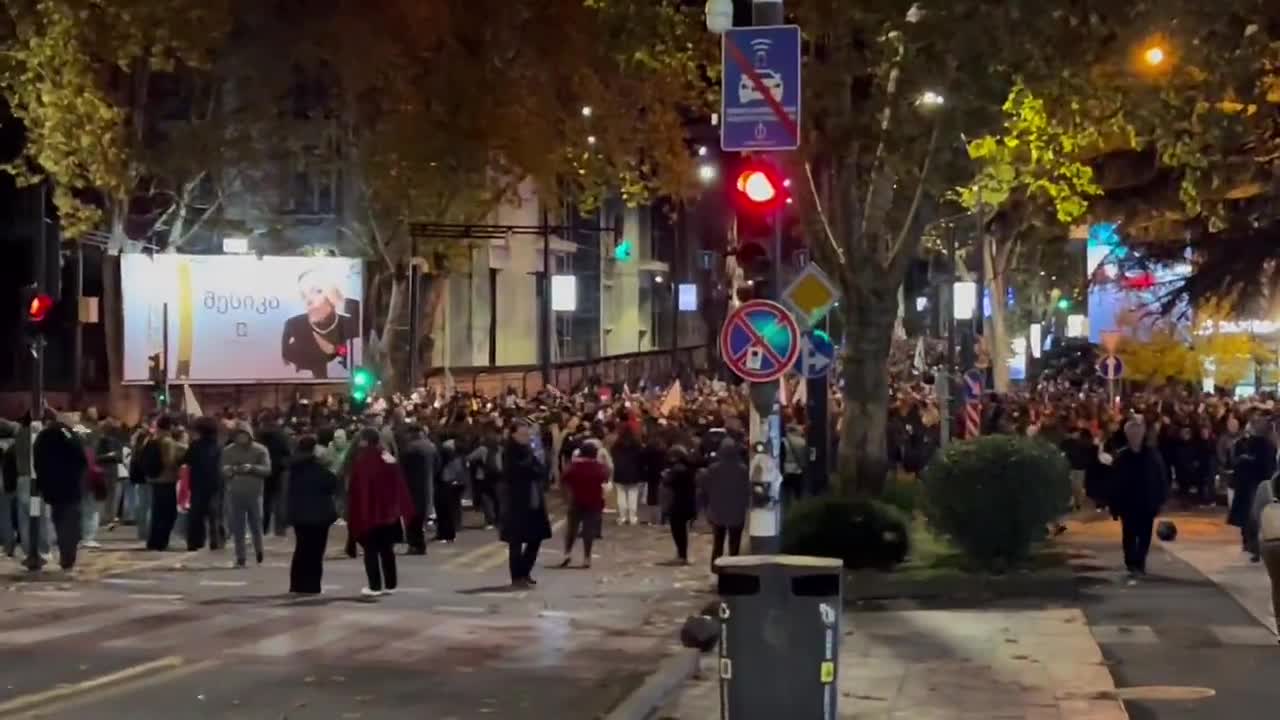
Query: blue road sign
[(760, 341), (973, 382), (1111, 367), (760, 94), (817, 355)]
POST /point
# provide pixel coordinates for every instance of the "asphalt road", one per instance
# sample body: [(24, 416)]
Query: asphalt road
[(186, 636), (1177, 634)]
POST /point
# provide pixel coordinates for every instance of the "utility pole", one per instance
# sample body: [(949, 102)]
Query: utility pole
[(544, 310), (77, 346), (35, 509), (415, 307)]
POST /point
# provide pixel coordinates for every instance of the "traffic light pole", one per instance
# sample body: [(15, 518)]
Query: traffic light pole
[(35, 509)]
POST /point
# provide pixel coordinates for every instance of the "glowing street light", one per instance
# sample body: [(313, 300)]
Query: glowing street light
[(702, 151), (931, 99), (586, 111), (707, 172), (1154, 56), (591, 139)]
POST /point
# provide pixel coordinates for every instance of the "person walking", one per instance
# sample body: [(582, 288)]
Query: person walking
[(419, 459), (524, 523), (246, 465), (627, 476), (1255, 463), (485, 463), (449, 484), (795, 458), (311, 490), (726, 492), (204, 467), (60, 466), (584, 480), (272, 436), (164, 484), (680, 499), (1139, 487), (377, 502)]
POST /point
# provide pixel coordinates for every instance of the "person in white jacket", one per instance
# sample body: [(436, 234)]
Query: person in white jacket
[(1264, 527)]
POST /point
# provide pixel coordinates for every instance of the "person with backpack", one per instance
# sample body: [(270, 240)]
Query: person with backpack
[(795, 457)]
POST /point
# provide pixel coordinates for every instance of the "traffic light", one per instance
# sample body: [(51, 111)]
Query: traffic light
[(759, 189), (1064, 303), (362, 382), (159, 379), (37, 307)]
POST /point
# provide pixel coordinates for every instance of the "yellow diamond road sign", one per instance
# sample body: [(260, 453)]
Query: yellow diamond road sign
[(811, 295)]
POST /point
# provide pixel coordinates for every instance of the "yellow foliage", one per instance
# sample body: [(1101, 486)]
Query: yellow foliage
[(1153, 351)]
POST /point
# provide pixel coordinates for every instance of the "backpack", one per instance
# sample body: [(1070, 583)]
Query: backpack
[(151, 460)]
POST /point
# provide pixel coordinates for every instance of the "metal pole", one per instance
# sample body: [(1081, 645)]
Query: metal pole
[(980, 316), (35, 507), (164, 357), (77, 346), (415, 307), (548, 333)]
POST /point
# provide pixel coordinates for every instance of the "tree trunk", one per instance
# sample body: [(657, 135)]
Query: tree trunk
[(432, 298), (110, 311), (864, 457), (392, 355), (996, 332)]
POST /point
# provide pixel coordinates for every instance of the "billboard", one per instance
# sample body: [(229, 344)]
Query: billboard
[(241, 318), (1116, 295)]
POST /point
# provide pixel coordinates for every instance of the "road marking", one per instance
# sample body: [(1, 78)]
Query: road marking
[(462, 561), (118, 688), (24, 702), (310, 637), (412, 647), (52, 594), (129, 581), (89, 623), (1244, 635), (193, 629), (174, 560), (224, 583), (461, 609), (414, 590), (164, 597)]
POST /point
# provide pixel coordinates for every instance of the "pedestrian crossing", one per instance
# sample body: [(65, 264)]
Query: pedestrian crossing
[(1199, 636), (341, 634)]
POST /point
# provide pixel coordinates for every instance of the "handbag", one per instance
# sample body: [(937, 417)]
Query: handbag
[(1269, 525)]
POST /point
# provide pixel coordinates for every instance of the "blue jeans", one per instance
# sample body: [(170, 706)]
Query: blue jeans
[(142, 510), (90, 514)]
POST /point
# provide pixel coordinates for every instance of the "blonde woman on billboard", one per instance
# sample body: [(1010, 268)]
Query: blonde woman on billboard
[(320, 335)]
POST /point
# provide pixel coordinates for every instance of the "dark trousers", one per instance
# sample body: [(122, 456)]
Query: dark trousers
[(521, 557), (719, 532), (270, 499), (448, 511), (487, 498), (307, 568), (1135, 532), (680, 535), (164, 513), (66, 523), (380, 557), (415, 534), (204, 521)]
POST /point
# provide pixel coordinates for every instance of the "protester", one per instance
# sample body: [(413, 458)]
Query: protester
[(204, 463), (627, 477), (311, 489), (524, 522), (377, 503), (1255, 463), (163, 453), (726, 492), (419, 460), (680, 499), (584, 481), (246, 465), (60, 465), (1139, 488)]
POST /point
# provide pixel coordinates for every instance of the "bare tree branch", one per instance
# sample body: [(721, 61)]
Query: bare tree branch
[(909, 220)]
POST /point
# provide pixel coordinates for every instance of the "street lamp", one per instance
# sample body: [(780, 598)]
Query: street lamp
[(719, 16), (707, 173), (591, 139), (586, 111), (1154, 56), (702, 151), (930, 99)]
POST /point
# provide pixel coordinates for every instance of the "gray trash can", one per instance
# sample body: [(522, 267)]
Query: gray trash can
[(780, 636)]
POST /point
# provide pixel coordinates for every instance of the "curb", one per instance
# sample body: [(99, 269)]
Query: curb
[(645, 701)]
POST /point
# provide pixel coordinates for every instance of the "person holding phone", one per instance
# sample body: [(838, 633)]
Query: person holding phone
[(246, 465)]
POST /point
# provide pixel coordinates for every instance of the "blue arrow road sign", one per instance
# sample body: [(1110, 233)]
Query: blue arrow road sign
[(760, 95), (817, 355), (760, 341), (1111, 367)]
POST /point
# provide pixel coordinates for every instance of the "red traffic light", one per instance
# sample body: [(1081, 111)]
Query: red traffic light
[(757, 186), (39, 308)]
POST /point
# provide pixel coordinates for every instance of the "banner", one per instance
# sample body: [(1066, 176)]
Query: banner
[(240, 318)]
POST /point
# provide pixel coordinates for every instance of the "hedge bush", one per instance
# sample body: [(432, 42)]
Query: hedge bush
[(994, 496), (904, 492), (862, 533)]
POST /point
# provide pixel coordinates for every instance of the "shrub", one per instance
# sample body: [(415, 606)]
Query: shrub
[(994, 496), (862, 533), (904, 492)]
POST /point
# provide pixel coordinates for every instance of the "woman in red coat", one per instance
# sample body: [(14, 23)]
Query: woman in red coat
[(377, 502)]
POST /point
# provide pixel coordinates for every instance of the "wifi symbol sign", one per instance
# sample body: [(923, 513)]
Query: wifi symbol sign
[(760, 51)]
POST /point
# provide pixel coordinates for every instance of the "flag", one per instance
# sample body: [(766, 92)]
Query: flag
[(672, 400)]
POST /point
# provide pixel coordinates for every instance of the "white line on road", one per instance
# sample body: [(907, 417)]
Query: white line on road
[(224, 583), (193, 630), (88, 623), (461, 609), (129, 581), (156, 596), (52, 594), (302, 639)]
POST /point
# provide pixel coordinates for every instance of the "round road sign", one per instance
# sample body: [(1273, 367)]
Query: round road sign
[(760, 341)]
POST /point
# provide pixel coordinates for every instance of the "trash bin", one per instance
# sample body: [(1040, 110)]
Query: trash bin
[(780, 636)]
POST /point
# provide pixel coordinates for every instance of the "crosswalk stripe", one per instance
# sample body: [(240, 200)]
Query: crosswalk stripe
[(193, 630), (75, 626), (411, 648), (310, 637)]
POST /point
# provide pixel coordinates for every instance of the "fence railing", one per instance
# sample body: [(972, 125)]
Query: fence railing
[(658, 366)]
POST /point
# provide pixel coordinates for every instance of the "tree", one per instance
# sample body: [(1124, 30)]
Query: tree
[(1210, 346)]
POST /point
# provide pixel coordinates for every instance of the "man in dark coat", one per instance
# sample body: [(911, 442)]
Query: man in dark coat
[(420, 461), (310, 494), (204, 463), (60, 465), (726, 490), (1138, 490), (1255, 463), (524, 520)]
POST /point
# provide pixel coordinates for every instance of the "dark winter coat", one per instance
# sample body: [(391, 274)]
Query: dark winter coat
[(60, 465), (680, 482), (1255, 459), (524, 509), (726, 489), (628, 458), (420, 461), (204, 462), (311, 490), (1138, 483)]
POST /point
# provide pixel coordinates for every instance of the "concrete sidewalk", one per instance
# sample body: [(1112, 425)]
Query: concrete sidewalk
[(1229, 568), (955, 665)]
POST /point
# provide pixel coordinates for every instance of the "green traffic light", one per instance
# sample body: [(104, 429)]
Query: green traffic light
[(622, 253), (359, 395), (362, 379), (1064, 304)]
